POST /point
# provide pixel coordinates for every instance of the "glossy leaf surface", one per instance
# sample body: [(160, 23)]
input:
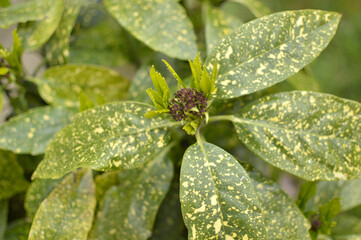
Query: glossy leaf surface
[(268, 50), (161, 24), (32, 131), (61, 85), (217, 196), (311, 135), (128, 210), (111, 136), (67, 213)]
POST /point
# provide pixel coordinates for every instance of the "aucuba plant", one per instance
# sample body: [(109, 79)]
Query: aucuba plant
[(194, 146)]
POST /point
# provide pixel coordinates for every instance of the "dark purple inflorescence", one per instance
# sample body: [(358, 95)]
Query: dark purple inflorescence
[(187, 102)]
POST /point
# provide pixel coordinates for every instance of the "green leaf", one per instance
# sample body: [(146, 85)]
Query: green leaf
[(139, 85), (161, 86), (308, 190), (304, 80), (281, 216), (217, 196), (266, 51), (18, 230), (156, 98), (311, 135), (32, 131), (327, 213), (1, 100), (196, 68), (23, 12), (111, 136), (12, 179), (61, 85), (256, 7), (175, 75), (85, 102), (105, 181), (67, 213), (38, 190), (128, 210), (156, 113), (57, 48), (205, 83), (4, 70), (162, 25), (4, 3), (4, 209)]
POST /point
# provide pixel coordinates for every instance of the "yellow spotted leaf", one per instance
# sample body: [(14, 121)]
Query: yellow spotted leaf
[(67, 213), (128, 209), (111, 136), (217, 196), (163, 25), (268, 50), (312, 135)]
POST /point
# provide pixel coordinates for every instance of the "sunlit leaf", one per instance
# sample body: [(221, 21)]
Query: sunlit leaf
[(268, 50), (61, 85), (67, 213), (162, 25), (312, 135), (111, 136), (32, 131), (128, 210), (217, 196)]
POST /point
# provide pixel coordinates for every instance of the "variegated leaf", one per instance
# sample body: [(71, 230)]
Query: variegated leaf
[(283, 218), (12, 179), (61, 85), (268, 50), (67, 213), (217, 196), (35, 34), (161, 24), (57, 48), (311, 135), (32, 131), (128, 209), (111, 136)]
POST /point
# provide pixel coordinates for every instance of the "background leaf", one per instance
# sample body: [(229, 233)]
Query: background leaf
[(32, 131), (217, 196), (285, 42), (162, 25), (128, 210), (18, 230), (111, 136), (4, 209), (311, 135), (61, 85), (257, 7), (67, 213), (281, 216), (12, 179)]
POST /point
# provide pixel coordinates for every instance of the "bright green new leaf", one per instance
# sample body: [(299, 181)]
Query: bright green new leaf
[(4, 70), (268, 50), (281, 216), (308, 190), (57, 48), (161, 86), (111, 136), (18, 230), (196, 68), (12, 179), (217, 196), (22, 12), (327, 213), (61, 85), (32, 131), (312, 135), (35, 34), (38, 190), (256, 7), (67, 213), (205, 83), (128, 210), (175, 75), (161, 24), (156, 99), (4, 209)]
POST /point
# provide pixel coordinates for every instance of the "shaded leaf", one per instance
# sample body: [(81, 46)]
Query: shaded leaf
[(256, 7), (105, 181), (268, 50), (57, 48), (61, 85), (35, 34), (129, 209), (162, 25), (4, 209), (308, 190), (38, 190), (281, 216), (328, 212), (139, 84), (32, 131), (304, 80), (1, 100), (67, 213), (12, 180), (311, 135), (217, 196), (111, 136), (18, 230)]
